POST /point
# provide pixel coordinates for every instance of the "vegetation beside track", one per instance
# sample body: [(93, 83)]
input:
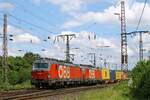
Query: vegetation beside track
[(140, 87), (116, 92), (19, 73), (19, 78)]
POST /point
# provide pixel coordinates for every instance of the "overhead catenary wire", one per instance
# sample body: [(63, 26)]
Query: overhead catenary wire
[(18, 26), (141, 15), (39, 17), (29, 23), (14, 24)]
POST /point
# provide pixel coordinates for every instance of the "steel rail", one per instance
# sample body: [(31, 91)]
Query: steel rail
[(48, 93)]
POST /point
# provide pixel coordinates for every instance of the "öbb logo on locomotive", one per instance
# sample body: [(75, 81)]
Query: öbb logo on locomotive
[(64, 71), (91, 74)]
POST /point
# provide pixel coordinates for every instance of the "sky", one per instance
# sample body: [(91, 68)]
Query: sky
[(31, 22)]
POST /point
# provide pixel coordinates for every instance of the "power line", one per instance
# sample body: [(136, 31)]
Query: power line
[(42, 46), (19, 27), (22, 30), (141, 15), (140, 41), (20, 6), (29, 23)]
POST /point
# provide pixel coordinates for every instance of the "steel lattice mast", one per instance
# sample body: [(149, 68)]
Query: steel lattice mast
[(67, 37), (5, 52), (124, 54)]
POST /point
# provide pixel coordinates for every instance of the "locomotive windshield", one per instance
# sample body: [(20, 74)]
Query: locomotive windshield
[(41, 65)]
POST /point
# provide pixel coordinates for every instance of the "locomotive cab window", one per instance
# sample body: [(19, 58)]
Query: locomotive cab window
[(41, 65)]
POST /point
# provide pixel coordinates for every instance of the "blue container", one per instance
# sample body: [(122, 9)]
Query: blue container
[(112, 75)]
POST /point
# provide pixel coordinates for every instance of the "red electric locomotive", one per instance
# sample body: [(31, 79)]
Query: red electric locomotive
[(53, 73), (50, 72)]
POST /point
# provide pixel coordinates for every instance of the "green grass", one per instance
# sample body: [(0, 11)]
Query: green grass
[(117, 92), (6, 86)]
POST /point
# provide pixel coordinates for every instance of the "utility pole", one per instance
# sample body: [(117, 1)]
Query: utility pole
[(94, 58), (140, 42), (140, 47), (124, 54), (5, 52), (67, 37)]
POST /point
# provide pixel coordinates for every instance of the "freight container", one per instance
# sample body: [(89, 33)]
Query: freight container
[(118, 75), (112, 75), (124, 75), (105, 74)]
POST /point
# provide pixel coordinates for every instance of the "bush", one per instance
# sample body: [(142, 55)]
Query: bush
[(19, 74), (24, 75), (13, 77), (141, 80), (18, 77)]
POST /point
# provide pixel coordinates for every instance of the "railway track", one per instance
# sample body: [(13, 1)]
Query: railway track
[(48, 93), (17, 92)]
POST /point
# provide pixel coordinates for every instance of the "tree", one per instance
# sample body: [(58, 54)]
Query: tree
[(31, 57), (141, 80)]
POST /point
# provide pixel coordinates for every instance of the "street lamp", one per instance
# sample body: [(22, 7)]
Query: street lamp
[(105, 46), (118, 14)]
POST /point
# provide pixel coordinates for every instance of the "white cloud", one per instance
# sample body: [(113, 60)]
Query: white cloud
[(71, 23), (26, 37), (20, 35), (69, 5), (86, 46), (6, 5), (107, 16), (88, 17)]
